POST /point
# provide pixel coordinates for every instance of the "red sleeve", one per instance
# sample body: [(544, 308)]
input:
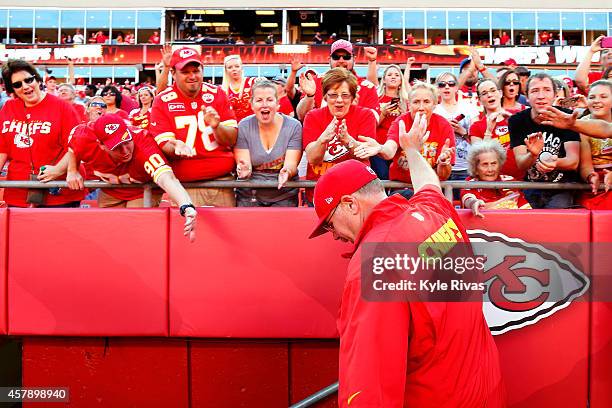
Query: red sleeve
[(161, 123), (446, 133), (368, 98), (431, 196), (478, 128), (69, 120), (4, 147), (372, 370), (153, 161), (312, 127), (393, 133), (285, 106), (82, 144)]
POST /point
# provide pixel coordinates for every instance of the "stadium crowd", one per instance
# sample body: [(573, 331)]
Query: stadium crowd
[(481, 126)]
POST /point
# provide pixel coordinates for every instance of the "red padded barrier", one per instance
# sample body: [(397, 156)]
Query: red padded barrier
[(239, 374), (545, 364), (117, 373), (601, 314), (253, 273), (3, 263), (88, 272), (314, 366)]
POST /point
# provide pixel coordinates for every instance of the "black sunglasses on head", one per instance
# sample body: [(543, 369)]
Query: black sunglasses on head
[(19, 84), (346, 57)]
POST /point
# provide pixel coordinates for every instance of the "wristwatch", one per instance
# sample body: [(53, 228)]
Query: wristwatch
[(184, 208)]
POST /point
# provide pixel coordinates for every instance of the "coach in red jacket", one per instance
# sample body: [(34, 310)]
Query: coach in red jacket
[(404, 354)]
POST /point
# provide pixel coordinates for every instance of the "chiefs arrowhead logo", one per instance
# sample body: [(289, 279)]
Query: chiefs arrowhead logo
[(186, 53), (525, 282), (110, 128), (328, 200)]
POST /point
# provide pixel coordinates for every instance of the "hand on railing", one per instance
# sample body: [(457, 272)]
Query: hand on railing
[(48, 173), (190, 224), (74, 180)]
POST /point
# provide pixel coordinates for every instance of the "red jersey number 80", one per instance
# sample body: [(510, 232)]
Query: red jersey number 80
[(194, 124)]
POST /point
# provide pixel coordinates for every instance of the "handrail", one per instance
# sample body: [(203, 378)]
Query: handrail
[(317, 396), (447, 186)]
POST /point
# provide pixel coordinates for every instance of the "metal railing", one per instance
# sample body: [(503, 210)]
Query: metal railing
[(447, 186)]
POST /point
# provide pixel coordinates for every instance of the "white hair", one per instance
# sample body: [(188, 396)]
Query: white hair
[(485, 146)]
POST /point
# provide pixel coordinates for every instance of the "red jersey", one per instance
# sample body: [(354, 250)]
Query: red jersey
[(241, 99), (33, 137), (359, 121), (366, 92), (383, 126), (285, 106), (175, 116), (140, 120), (439, 131), (414, 354), (80, 111), (501, 133), (504, 198), (148, 161)]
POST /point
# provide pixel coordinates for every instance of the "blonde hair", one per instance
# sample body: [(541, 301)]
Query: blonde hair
[(402, 92), (423, 85), (225, 85)]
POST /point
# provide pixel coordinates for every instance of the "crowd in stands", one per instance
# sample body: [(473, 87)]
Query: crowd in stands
[(481, 126)]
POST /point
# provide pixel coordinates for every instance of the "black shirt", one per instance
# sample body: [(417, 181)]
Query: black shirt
[(521, 125)]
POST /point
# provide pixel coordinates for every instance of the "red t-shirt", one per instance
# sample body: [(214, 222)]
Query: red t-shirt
[(512, 199), (140, 120), (383, 126), (241, 100), (414, 354), (34, 137), (439, 131), (502, 134), (148, 161), (366, 91), (174, 116), (285, 106), (80, 111), (359, 121)]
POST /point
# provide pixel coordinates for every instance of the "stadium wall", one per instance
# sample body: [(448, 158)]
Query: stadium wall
[(245, 316)]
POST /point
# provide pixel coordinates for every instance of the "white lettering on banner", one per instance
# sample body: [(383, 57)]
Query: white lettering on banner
[(522, 55), (572, 54), (78, 52), (28, 54)]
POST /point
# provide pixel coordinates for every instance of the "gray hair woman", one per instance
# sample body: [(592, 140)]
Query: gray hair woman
[(269, 147), (485, 161)]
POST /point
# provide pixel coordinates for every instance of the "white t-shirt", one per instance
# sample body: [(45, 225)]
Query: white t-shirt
[(462, 144)]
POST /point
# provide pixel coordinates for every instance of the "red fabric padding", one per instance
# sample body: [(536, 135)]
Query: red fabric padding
[(239, 374), (545, 364), (109, 372), (3, 261), (89, 272), (253, 273), (601, 312), (314, 366)]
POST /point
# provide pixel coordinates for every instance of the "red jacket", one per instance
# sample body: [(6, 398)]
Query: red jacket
[(414, 354)]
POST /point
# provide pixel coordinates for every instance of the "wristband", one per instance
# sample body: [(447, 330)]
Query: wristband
[(482, 70), (184, 208)]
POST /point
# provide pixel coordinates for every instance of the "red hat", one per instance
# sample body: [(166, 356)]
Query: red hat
[(342, 45), (111, 130), (184, 56), (342, 179), (510, 62)]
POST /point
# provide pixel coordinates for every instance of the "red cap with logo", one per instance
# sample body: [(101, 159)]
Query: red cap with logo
[(342, 179), (341, 45), (184, 56), (111, 130)]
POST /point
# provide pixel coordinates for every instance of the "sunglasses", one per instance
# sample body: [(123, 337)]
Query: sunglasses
[(443, 84), (19, 84), (109, 94), (512, 82), (98, 105), (346, 57)]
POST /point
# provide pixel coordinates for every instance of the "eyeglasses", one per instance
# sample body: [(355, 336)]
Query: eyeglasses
[(512, 82), (98, 105), (328, 225), (334, 96), (109, 93), (346, 57), (19, 84), (443, 84)]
